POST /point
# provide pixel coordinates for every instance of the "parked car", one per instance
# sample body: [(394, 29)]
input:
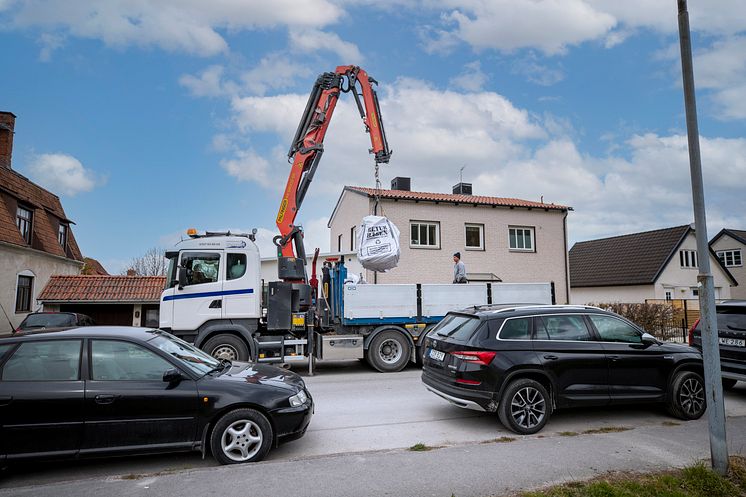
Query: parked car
[(37, 321), (731, 323), (523, 362), (121, 390)]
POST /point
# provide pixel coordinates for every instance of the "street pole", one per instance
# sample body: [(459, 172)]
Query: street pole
[(708, 319)]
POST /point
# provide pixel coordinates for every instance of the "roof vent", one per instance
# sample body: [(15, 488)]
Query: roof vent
[(401, 183), (462, 189)]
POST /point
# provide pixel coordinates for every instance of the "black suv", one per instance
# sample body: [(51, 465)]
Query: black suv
[(525, 361), (731, 321)]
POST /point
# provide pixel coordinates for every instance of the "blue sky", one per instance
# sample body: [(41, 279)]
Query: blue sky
[(149, 117)]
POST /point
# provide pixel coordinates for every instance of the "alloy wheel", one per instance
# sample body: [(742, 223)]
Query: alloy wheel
[(241, 440), (528, 407), (692, 396)]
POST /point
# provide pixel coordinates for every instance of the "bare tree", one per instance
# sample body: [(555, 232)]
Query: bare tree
[(152, 263)]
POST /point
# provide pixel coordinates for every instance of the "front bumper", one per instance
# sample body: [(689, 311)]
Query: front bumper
[(467, 398), (291, 423)]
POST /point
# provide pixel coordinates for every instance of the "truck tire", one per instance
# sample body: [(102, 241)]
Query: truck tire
[(388, 352), (225, 346)]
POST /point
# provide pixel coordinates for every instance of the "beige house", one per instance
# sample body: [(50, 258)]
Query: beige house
[(729, 247), (659, 264), (500, 239), (36, 239)]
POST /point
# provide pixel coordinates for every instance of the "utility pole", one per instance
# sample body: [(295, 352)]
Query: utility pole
[(708, 321)]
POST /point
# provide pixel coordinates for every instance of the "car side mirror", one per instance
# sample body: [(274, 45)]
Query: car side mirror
[(648, 339), (172, 376), (182, 275)]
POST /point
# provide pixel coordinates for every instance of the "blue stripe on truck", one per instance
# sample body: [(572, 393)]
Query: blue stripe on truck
[(208, 294)]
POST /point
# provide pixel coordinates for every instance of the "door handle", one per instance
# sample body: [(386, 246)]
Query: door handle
[(5, 400), (551, 357), (614, 357), (104, 399)]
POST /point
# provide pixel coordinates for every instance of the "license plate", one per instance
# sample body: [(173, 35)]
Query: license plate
[(734, 342), (437, 354)]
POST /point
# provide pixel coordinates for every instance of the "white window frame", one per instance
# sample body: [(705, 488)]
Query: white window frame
[(431, 246), (723, 256), (481, 236), (530, 229), (62, 233), (28, 274), (688, 259)]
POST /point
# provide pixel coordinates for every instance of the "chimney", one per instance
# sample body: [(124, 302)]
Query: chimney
[(7, 125), (401, 183), (131, 272), (462, 189)]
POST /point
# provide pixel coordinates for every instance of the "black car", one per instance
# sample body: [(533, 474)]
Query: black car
[(51, 321), (113, 390), (523, 362), (731, 323)]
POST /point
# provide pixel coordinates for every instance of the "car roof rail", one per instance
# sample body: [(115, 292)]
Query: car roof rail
[(545, 306)]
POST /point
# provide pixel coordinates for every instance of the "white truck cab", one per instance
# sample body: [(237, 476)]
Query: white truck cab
[(213, 285)]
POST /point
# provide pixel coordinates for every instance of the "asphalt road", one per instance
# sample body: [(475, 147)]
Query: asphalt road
[(358, 444)]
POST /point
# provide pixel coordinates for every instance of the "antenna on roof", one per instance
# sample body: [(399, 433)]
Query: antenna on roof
[(461, 174)]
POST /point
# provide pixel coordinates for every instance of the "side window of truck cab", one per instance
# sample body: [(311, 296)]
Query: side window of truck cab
[(236, 266), (202, 267)]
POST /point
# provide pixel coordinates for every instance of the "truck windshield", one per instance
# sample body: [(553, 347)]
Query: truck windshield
[(189, 355), (172, 257)]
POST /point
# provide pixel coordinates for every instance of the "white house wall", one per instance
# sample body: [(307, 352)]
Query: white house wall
[(18, 260), (435, 265), (608, 294), (725, 242), (683, 280)]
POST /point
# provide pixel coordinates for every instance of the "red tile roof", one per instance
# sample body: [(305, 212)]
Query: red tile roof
[(457, 198), (47, 214), (85, 288), (93, 267)]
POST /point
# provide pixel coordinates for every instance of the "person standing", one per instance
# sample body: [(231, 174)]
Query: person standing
[(459, 269)]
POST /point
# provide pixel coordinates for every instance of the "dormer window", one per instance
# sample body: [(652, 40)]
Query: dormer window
[(62, 235), (24, 218)]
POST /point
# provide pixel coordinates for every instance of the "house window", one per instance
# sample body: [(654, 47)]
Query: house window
[(730, 258), (62, 235), (352, 237), (24, 217), (339, 243), (669, 295), (424, 234), (695, 292), (521, 238), (688, 258), (474, 236), (23, 293)]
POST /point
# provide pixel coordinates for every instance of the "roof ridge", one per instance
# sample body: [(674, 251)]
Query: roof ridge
[(634, 234), (367, 189)]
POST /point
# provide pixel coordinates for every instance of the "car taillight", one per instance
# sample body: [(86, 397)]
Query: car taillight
[(482, 357), (691, 331), (468, 382)]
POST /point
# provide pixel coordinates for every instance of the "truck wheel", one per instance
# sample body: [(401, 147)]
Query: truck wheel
[(388, 352), (227, 347), (242, 435)]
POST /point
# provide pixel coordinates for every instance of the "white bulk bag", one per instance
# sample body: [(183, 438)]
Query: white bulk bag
[(378, 244)]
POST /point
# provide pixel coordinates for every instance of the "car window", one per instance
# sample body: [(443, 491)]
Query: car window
[(611, 329), (516, 329), (731, 320), (54, 360), (48, 320), (112, 360), (562, 327), (190, 356), (458, 327), (4, 349)]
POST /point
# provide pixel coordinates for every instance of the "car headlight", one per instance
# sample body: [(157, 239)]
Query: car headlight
[(298, 399)]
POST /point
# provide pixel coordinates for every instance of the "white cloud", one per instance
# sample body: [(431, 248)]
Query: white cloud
[(62, 174), (314, 40), (535, 72), (472, 78), (49, 43), (506, 25), (247, 165), (209, 83), (190, 26)]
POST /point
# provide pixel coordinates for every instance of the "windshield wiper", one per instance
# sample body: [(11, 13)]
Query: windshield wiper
[(221, 366)]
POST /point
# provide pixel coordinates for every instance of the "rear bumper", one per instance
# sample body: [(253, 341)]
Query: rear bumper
[(733, 370), (465, 398)]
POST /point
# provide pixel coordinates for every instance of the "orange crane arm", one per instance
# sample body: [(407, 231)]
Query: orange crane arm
[(308, 146)]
